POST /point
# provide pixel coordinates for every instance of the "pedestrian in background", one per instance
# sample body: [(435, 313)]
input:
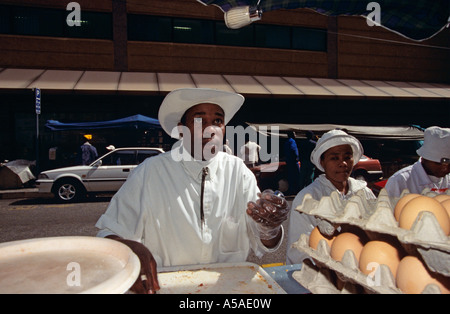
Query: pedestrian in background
[(306, 166), (293, 169), (87, 153)]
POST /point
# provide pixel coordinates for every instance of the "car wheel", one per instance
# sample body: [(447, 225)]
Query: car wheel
[(69, 191)]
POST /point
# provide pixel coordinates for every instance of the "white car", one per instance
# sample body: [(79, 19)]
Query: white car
[(106, 174)]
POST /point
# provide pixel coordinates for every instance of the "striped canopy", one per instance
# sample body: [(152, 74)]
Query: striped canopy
[(418, 20)]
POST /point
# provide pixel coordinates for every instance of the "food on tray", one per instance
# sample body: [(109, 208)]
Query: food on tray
[(376, 253), (402, 202), (442, 197), (446, 205), (316, 236), (346, 241), (413, 277), (414, 207)]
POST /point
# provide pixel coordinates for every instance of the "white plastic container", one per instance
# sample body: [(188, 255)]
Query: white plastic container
[(67, 265)]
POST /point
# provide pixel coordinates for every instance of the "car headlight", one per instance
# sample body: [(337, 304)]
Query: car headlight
[(42, 176)]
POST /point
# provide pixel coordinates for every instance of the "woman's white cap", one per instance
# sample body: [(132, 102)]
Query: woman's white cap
[(177, 102), (335, 138), (436, 144)]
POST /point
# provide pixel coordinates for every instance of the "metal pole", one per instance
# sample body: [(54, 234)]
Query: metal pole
[(37, 144), (38, 112)]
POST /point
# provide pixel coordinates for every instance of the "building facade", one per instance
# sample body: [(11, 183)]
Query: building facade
[(119, 58)]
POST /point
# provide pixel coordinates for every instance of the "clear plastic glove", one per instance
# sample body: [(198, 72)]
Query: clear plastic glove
[(269, 212), (326, 227)]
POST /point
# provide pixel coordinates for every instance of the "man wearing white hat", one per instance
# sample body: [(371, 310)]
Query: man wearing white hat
[(194, 204), (431, 171), (335, 154)]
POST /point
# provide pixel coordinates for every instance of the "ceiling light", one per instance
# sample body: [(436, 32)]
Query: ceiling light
[(238, 17)]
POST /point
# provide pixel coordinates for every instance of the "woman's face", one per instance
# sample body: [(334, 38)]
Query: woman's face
[(338, 163)]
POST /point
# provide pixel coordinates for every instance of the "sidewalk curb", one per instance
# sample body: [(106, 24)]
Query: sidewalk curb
[(22, 193)]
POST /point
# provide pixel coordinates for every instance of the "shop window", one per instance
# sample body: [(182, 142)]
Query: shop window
[(92, 25), (193, 31), (5, 21), (309, 39), (33, 21), (149, 28), (234, 37), (36, 21), (272, 36)]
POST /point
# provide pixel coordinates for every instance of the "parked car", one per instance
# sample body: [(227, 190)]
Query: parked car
[(274, 175), (106, 174), (367, 169)]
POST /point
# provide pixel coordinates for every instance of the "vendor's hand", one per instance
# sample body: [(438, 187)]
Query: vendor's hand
[(147, 281), (326, 228), (269, 212)]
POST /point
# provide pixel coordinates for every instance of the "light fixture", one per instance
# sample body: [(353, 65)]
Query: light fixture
[(238, 17)]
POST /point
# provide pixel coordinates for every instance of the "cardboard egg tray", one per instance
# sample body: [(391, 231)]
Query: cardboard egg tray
[(375, 218)]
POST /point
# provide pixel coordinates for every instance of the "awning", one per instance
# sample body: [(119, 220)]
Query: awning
[(134, 122), (405, 132), (264, 86)]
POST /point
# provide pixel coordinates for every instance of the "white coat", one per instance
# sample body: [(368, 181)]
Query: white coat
[(300, 223), (415, 179), (159, 206)]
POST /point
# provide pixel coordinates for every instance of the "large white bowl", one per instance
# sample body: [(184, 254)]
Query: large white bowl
[(67, 265)]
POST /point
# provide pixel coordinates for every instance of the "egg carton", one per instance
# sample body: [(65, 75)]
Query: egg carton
[(376, 216), (321, 276)]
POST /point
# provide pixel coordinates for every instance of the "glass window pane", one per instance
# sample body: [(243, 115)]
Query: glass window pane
[(149, 28), (193, 31), (234, 37), (309, 39), (5, 21), (37, 21), (120, 158), (272, 36), (93, 25), (144, 154)]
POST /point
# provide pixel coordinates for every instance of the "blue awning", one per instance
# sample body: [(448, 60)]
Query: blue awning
[(133, 122)]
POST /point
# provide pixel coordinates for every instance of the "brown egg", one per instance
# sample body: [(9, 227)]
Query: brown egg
[(402, 202), (446, 205), (442, 197), (376, 253), (424, 203), (316, 236), (346, 241), (413, 277)]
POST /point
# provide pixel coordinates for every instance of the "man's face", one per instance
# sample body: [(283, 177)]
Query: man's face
[(338, 163), (435, 169), (207, 128)]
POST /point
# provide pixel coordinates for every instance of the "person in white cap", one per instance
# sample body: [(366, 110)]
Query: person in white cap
[(195, 204), (335, 154), (432, 170)]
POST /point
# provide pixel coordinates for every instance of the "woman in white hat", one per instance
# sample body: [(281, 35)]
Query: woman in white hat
[(431, 171), (195, 204), (335, 154)]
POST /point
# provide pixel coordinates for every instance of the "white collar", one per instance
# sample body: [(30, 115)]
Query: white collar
[(195, 167)]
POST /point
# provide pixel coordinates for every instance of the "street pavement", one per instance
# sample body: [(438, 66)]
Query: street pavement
[(25, 214)]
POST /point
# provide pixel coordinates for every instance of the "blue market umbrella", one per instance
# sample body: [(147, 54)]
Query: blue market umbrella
[(418, 20)]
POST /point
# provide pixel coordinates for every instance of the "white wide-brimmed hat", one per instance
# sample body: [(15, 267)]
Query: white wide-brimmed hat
[(177, 102), (335, 138), (436, 144)]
